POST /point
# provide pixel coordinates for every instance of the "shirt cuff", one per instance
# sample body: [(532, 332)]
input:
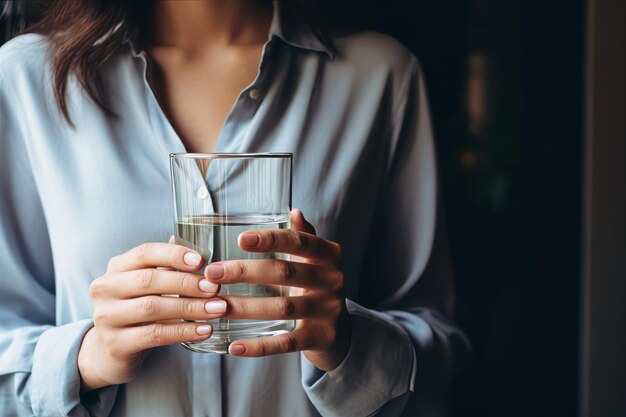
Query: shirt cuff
[(55, 380), (380, 365)]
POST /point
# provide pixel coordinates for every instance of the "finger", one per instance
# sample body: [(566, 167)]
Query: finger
[(172, 240), (299, 223), (293, 242), (155, 308), (151, 255), (281, 308), (152, 281), (275, 272), (298, 340), (139, 338)]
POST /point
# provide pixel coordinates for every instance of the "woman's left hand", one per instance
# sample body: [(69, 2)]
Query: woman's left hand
[(323, 332)]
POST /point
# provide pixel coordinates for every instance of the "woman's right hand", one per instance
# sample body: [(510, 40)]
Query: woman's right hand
[(132, 315)]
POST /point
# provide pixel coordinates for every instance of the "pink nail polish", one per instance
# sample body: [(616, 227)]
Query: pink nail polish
[(204, 330), (192, 259), (215, 306), (250, 240), (207, 286), (236, 349), (215, 271)]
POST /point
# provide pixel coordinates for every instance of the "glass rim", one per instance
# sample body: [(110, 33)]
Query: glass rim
[(232, 155)]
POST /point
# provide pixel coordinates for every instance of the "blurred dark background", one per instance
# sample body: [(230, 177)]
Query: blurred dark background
[(506, 83)]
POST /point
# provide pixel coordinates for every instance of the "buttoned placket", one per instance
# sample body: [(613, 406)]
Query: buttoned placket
[(209, 377), (247, 103)]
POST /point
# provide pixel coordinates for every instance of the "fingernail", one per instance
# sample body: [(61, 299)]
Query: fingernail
[(203, 330), (236, 349), (192, 258), (172, 239), (215, 271), (207, 286), (217, 306), (250, 240)]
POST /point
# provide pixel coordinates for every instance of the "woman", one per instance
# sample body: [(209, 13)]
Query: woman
[(90, 109)]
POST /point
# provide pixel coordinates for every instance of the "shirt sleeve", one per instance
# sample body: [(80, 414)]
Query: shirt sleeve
[(404, 348), (38, 360)]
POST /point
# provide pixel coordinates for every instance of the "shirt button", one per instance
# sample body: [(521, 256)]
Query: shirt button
[(254, 94), (202, 193)]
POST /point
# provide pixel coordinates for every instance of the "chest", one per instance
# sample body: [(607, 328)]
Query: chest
[(197, 93), (105, 184)]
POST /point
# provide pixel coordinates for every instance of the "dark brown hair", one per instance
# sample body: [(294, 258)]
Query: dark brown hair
[(84, 34)]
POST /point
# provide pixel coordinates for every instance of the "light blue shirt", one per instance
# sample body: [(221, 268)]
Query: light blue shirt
[(364, 175)]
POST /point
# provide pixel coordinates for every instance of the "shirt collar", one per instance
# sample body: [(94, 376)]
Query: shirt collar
[(299, 36)]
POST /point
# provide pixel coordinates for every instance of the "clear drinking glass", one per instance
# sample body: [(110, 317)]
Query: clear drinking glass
[(217, 197)]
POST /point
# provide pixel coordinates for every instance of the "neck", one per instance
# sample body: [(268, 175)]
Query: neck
[(198, 24)]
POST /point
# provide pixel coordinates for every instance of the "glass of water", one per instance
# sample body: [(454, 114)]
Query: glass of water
[(218, 196)]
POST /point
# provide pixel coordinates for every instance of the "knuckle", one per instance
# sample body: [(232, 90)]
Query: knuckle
[(287, 343), (142, 252), (259, 349), (272, 239), (241, 270), (146, 278), (191, 308), (285, 270), (241, 306), (188, 284), (286, 307), (154, 334), (296, 240), (338, 251), (100, 317), (95, 288), (182, 333), (338, 280), (335, 307), (149, 306), (112, 264)]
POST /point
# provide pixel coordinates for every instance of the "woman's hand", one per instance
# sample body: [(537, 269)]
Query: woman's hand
[(131, 315), (323, 333)]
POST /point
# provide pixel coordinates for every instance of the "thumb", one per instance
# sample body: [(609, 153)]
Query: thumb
[(299, 223)]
